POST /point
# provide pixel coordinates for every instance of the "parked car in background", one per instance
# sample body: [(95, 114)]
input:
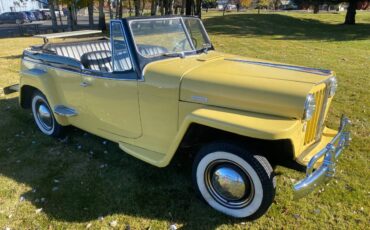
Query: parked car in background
[(13, 17), (46, 13), (57, 12), (31, 17), (38, 15)]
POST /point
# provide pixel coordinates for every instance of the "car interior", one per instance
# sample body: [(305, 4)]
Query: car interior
[(97, 55)]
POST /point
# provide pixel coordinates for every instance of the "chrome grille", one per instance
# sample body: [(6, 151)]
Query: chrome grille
[(313, 127)]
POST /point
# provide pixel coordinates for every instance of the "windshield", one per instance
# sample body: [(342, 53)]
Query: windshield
[(156, 37)]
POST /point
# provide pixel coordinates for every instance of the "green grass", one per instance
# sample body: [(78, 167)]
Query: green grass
[(97, 179)]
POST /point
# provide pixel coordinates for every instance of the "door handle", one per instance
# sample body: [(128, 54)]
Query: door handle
[(84, 84)]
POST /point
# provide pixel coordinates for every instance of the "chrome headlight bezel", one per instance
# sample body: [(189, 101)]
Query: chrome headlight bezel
[(309, 107), (333, 85)]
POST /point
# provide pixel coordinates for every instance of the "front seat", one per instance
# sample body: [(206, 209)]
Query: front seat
[(98, 60)]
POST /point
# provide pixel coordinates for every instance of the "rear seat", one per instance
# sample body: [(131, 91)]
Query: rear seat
[(77, 49), (96, 55)]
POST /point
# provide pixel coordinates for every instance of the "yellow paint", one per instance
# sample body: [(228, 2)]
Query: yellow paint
[(149, 117)]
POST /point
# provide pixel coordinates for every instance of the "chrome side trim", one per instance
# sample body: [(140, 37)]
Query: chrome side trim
[(64, 111), (82, 73), (326, 171), (322, 72)]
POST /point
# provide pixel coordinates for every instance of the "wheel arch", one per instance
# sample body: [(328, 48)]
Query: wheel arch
[(199, 134), (25, 96), (274, 135)]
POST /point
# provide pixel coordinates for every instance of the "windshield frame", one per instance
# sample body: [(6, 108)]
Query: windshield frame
[(187, 34)]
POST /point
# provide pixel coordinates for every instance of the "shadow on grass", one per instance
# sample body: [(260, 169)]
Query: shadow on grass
[(82, 177), (284, 27), (12, 57)]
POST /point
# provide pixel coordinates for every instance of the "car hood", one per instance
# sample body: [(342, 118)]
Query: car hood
[(250, 84)]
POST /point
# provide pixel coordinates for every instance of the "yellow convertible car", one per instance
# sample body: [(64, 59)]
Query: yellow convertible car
[(157, 86)]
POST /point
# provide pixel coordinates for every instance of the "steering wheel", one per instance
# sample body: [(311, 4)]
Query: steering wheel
[(181, 44)]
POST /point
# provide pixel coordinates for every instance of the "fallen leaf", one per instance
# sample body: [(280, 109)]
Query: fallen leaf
[(113, 223), (38, 210)]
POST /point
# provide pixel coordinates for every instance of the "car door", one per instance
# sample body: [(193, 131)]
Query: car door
[(111, 96)]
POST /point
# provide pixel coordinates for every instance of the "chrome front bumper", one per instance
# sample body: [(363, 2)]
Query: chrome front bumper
[(326, 171)]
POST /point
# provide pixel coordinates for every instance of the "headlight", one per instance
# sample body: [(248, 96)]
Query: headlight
[(309, 107), (333, 84)]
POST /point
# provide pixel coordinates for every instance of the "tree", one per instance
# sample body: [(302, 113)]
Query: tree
[(102, 24), (53, 16), (246, 3), (137, 7), (110, 9), (262, 4), (153, 8), (351, 13), (90, 9)]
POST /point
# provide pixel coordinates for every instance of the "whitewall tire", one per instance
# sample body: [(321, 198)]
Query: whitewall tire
[(44, 117), (233, 180)]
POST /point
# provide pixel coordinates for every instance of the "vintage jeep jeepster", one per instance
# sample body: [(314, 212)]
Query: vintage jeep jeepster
[(157, 86)]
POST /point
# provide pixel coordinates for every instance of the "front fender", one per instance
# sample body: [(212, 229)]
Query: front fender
[(254, 125)]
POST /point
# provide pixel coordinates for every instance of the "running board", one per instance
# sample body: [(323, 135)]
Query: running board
[(64, 111)]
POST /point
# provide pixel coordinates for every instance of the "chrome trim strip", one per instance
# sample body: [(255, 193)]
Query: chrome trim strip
[(82, 73), (64, 111), (322, 72), (326, 171)]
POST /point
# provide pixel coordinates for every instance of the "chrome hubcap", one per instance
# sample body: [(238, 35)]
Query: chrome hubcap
[(44, 116), (229, 184)]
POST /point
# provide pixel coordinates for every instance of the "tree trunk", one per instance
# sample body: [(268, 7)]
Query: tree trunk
[(351, 13), (110, 9), (223, 11), (102, 24), (161, 7), (137, 7), (199, 8), (90, 9), (183, 3), (169, 8), (316, 8), (53, 16), (153, 9), (69, 18), (188, 7), (130, 7), (120, 10), (143, 8), (60, 16)]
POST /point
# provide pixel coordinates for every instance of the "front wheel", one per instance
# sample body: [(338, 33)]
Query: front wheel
[(44, 117), (233, 180)]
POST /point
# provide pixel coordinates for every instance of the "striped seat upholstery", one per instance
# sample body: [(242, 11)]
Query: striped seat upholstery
[(98, 60), (77, 49), (102, 61), (148, 50)]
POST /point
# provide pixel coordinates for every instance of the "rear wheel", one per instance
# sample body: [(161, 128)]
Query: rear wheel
[(44, 117), (233, 180)]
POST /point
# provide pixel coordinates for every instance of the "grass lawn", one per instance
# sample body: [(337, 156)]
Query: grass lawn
[(83, 181)]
